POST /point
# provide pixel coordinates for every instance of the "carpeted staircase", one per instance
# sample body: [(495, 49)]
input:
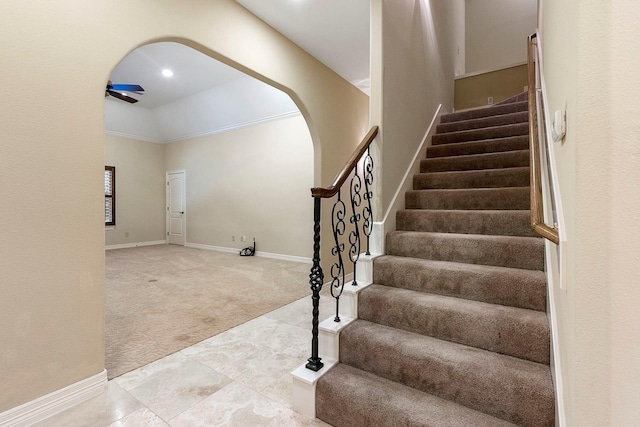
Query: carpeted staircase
[(453, 331)]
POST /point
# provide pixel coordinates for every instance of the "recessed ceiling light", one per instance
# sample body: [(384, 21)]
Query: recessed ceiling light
[(167, 72)]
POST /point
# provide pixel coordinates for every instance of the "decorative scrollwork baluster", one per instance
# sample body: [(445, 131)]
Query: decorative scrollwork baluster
[(316, 279), (367, 212), (338, 214), (354, 235)]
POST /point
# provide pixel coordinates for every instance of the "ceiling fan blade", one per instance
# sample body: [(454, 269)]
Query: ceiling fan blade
[(127, 88), (118, 95)]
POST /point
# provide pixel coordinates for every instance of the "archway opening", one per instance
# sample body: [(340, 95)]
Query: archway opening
[(248, 159)]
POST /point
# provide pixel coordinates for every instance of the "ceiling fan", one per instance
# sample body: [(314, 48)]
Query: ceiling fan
[(117, 91)]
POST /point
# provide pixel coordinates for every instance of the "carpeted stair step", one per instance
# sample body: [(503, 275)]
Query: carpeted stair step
[(502, 251), (497, 285), (506, 159), (506, 330), (350, 397), (484, 122), (484, 178), (511, 198), (479, 147), (490, 222), (476, 113), (517, 129), (509, 388)]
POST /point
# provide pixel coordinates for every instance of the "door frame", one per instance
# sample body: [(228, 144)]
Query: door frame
[(184, 203)]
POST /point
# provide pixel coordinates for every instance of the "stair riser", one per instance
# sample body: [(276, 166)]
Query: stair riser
[(508, 388), (500, 223), (505, 330), (479, 147), (513, 252), (481, 134), (515, 198), (510, 159), (505, 119), (496, 285), (490, 178), (484, 112)]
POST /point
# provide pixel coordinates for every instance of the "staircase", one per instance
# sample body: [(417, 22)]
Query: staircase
[(453, 331)]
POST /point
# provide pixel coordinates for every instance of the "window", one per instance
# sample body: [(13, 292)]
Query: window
[(109, 195)]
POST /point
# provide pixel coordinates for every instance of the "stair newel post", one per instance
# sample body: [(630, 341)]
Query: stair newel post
[(367, 212), (316, 279), (354, 235), (338, 214)]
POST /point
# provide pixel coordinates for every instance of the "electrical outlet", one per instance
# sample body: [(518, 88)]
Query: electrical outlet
[(233, 238), (244, 238), (490, 100)]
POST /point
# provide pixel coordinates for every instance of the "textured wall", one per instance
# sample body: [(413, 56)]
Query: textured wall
[(140, 190), (497, 31), (418, 43), (252, 181), (591, 58)]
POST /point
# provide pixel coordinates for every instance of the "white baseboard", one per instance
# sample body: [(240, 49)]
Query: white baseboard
[(135, 245), (55, 402), (261, 254)]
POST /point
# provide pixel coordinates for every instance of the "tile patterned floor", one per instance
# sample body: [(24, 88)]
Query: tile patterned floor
[(241, 377)]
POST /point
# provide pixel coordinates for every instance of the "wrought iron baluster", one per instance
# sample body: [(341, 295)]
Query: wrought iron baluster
[(316, 279), (354, 235), (367, 212), (338, 225)]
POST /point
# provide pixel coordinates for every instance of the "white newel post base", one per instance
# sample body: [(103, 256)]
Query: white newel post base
[(305, 380)]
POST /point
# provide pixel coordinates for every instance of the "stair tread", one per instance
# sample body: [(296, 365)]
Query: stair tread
[(513, 389), (482, 178), (491, 145), (378, 402), (514, 331), (469, 198), (494, 284), (517, 129), (469, 221), (506, 251), (484, 122), (480, 161)]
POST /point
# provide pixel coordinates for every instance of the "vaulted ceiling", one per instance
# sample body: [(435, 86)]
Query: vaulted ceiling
[(334, 31)]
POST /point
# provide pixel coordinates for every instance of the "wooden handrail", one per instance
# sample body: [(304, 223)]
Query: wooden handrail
[(327, 192), (537, 219)]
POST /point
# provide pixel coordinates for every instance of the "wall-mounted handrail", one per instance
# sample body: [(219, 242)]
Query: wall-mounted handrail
[(341, 177), (361, 220), (537, 218)]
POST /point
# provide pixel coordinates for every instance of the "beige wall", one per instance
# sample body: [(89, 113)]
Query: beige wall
[(254, 181), (140, 190), (473, 91), (419, 51), (591, 58), (497, 31), (56, 58)]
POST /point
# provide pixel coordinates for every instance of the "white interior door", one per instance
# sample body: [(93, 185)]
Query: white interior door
[(176, 208)]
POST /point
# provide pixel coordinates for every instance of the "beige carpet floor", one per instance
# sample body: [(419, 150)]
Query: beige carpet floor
[(161, 299)]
